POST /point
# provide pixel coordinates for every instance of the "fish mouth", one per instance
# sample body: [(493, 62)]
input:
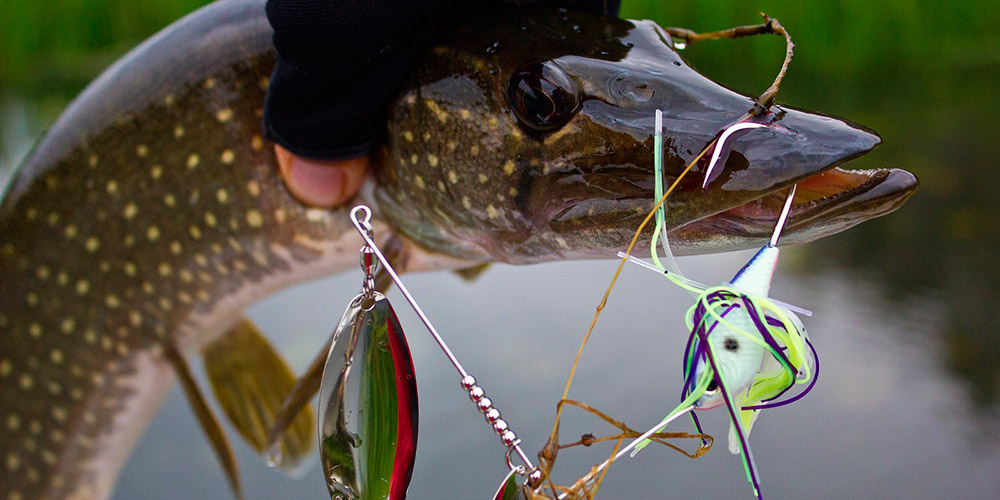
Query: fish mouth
[(825, 203)]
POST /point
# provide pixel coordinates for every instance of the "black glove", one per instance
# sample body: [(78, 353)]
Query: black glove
[(338, 62)]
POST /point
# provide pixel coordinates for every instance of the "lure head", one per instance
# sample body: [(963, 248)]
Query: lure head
[(737, 353), (526, 133)]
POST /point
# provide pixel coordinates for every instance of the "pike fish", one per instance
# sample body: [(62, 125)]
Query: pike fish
[(151, 214)]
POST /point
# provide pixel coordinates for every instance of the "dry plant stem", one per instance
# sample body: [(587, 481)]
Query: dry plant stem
[(770, 27), (763, 104)]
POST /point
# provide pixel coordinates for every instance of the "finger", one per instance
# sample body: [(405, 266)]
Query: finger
[(321, 183)]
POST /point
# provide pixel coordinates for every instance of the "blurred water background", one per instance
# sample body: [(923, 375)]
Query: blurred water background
[(905, 311)]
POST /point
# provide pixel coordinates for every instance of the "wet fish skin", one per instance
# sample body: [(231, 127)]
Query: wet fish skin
[(152, 214)]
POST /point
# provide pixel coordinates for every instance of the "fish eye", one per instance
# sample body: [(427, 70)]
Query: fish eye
[(730, 344), (542, 96)]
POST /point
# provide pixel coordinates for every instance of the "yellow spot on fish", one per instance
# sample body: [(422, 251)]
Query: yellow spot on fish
[(203, 295), (210, 219), (62, 278), (483, 179), (440, 113), (256, 143), (35, 330), (193, 160), (142, 151), (452, 146), (31, 298), (254, 218), (410, 98), (179, 131), (70, 232), (164, 269), (176, 248), (43, 273), (419, 181), (152, 233), (13, 462), (135, 318), (56, 356), (512, 191), (253, 188), (92, 244), (129, 240), (224, 115), (156, 172), (408, 135), (130, 210), (31, 213), (166, 304), (54, 388), (432, 160), (474, 150), (13, 422), (208, 83), (169, 99), (440, 185), (508, 167), (52, 219), (112, 187), (90, 336), (82, 287), (186, 276), (57, 436), (427, 136), (279, 216), (414, 158), (465, 114), (130, 269), (5, 367), (263, 83), (26, 382), (452, 177), (222, 195), (121, 348), (466, 202), (59, 413), (492, 212), (112, 301), (185, 298), (201, 259), (195, 232), (227, 157)]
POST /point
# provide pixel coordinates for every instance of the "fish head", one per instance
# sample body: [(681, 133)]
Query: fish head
[(531, 139)]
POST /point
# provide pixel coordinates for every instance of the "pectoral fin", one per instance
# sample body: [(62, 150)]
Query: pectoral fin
[(250, 381), (473, 273), (209, 423)]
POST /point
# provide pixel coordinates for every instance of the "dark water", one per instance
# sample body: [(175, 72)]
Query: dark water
[(906, 404)]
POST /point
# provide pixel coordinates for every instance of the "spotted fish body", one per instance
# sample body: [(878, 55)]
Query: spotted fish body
[(152, 214)]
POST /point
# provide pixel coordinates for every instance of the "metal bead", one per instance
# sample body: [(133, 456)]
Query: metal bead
[(484, 404), (534, 477), (369, 263), (468, 382), (476, 393), (492, 415), (508, 437), (500, 426)]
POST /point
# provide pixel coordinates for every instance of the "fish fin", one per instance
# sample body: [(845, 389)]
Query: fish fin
[(251, 381), (306, 387), (470, 274), (209, 423)]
